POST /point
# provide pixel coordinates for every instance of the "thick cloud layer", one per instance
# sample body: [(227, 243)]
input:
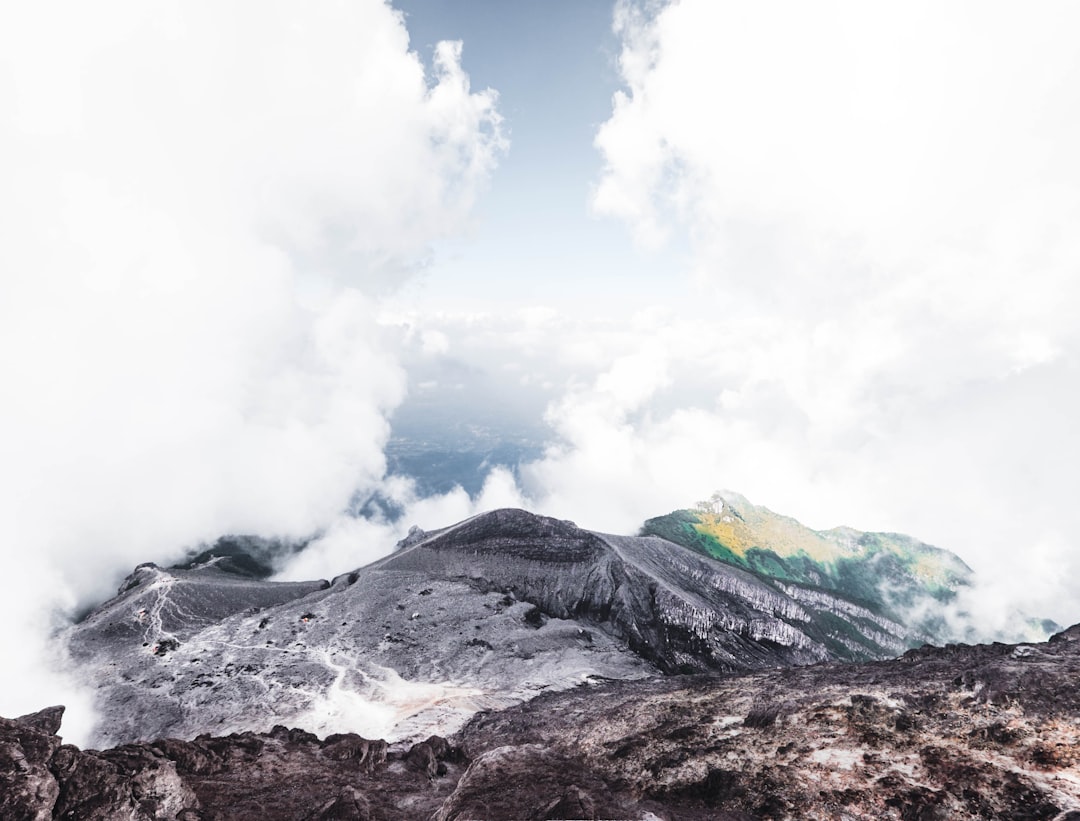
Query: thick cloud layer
[(881, 204), (200, 203)]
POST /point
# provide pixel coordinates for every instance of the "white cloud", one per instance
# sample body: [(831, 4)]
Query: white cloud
[(434, 343), (880, 203), (351, 542), (880, 330), (913, 161), (200, 205)]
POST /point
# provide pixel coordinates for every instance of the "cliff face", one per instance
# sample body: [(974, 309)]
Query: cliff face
[(491, 611), (960, 732)]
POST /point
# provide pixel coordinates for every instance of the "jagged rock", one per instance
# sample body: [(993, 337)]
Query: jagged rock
[(349, 805), (28, 789), (130, 782), (421, 757), (959, 732), (42, 779), (573, 803), (531, 782), (429, 756), (365, 753), (1070, 634), (46, 721)]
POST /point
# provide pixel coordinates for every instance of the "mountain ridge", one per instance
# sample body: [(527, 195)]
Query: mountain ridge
[(483, 613), (889, 573), (517, 666)]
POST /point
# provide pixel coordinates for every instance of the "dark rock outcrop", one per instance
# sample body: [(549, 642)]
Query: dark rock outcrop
[(286, 774), (28, 788), (41, 778), (958, 732)]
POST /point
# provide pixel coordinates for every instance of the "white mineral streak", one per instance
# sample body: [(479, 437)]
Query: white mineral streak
[(821, 600)]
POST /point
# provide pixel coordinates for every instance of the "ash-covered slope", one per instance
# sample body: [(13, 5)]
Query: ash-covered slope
[(479, 615), (679, 610), (157, 608), (960, 732)]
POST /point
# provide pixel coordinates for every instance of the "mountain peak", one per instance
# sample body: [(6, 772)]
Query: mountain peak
[(889, 573), (499, 606)]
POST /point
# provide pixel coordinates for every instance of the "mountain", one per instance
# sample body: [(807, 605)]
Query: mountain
[(518, 666), (488, 612), (892, 575), (958, 732)]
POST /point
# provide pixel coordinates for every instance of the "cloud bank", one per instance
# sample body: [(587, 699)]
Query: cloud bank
[(200, 207), (879, 324)]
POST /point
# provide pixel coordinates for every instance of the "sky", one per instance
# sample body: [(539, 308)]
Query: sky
[(823, 255), (532, 238)]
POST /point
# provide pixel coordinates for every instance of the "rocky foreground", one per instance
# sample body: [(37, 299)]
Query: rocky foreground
[(961, 732)]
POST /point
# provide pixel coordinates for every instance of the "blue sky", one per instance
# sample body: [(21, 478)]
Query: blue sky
[(534, 238)]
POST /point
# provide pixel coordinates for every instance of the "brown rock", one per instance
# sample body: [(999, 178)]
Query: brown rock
[(943, 733), (28, 789), (349, 805)]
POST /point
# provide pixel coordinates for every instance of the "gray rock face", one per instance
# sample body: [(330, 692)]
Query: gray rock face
[(486, 613)]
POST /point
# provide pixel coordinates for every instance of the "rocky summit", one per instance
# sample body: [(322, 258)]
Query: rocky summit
[(486, 613), (957, 732)]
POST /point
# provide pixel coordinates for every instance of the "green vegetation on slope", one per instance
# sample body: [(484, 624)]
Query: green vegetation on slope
[(887, 572)]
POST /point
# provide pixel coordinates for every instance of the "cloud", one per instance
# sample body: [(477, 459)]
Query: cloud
[(353, 541), (843, 129), (913, 162), (201, 207), (878, 322)]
